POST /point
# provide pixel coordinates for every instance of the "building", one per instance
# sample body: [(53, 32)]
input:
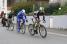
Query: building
[(3, 5)]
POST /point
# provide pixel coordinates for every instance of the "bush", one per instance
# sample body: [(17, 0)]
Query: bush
[(53, 7), (62, 11), (19, 6)]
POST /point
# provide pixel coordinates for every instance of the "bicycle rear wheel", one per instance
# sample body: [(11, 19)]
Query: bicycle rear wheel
[(42, 31), (22, 28), (10, 27)]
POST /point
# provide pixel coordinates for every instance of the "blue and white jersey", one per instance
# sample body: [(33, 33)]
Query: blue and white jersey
[(21, 15)]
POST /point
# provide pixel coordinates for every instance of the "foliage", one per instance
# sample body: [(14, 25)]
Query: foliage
[(62, 11), (53, 7), (28, 6)]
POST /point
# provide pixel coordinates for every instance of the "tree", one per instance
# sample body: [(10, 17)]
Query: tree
[(28, 6)]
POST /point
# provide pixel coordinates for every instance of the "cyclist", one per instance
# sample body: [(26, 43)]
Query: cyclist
[(37, 19), (21, 16), (10, 16), (3, 21), (2, 14)]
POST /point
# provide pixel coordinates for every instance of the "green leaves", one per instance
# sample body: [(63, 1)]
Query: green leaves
[(19, 6), (62, 11)]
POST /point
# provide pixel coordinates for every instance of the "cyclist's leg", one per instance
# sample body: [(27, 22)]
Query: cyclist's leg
[(18, 22), (36, 26), (24, 24), (9, 22)]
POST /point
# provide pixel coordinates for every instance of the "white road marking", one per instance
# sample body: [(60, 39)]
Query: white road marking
[(57, 34)]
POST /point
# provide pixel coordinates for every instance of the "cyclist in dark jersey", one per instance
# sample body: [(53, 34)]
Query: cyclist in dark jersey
[(37, 17), (10, 15), (40, 14), (3, 21), (10, 18)]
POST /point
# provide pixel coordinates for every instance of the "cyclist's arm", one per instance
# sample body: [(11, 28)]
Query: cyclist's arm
[(43, 17), (13, 16), (38, 15), (25, 16), (18, 15)]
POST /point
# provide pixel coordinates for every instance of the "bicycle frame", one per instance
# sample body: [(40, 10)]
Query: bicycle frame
[(36, 23)]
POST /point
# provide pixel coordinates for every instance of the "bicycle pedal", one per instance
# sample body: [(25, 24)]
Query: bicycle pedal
[(35, 31)]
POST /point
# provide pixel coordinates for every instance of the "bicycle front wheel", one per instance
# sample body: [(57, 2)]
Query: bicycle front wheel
[(31, 29), (42, 31)]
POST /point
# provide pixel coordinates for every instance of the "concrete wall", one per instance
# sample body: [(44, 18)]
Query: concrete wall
[(53, 1), (51, 21), (59, 21), (63, 2), (60, 1), (20, 0)]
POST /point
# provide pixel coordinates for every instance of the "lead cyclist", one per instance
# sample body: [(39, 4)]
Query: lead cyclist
[(37, 17)]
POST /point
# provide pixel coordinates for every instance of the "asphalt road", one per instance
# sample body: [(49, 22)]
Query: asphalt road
[(12, 37)]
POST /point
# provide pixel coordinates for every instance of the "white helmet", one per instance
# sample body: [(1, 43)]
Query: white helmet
[(41, 8), (23, 10)]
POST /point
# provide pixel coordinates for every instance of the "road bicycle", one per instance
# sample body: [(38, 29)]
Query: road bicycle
[(37, 26), (10, 25), (22, 27)]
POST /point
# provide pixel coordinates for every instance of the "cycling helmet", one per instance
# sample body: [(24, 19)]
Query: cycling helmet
[(23, 10)]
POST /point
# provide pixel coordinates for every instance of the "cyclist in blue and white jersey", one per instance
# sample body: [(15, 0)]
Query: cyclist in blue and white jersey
[(21, 16)]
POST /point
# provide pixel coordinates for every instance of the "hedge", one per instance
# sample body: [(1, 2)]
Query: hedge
[(19, 6)]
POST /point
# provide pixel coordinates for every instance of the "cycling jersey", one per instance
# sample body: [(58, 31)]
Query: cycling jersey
[(20, 16), (40, 14), (10, 16)]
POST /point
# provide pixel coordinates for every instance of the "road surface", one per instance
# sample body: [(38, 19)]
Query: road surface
[(12, 37)]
